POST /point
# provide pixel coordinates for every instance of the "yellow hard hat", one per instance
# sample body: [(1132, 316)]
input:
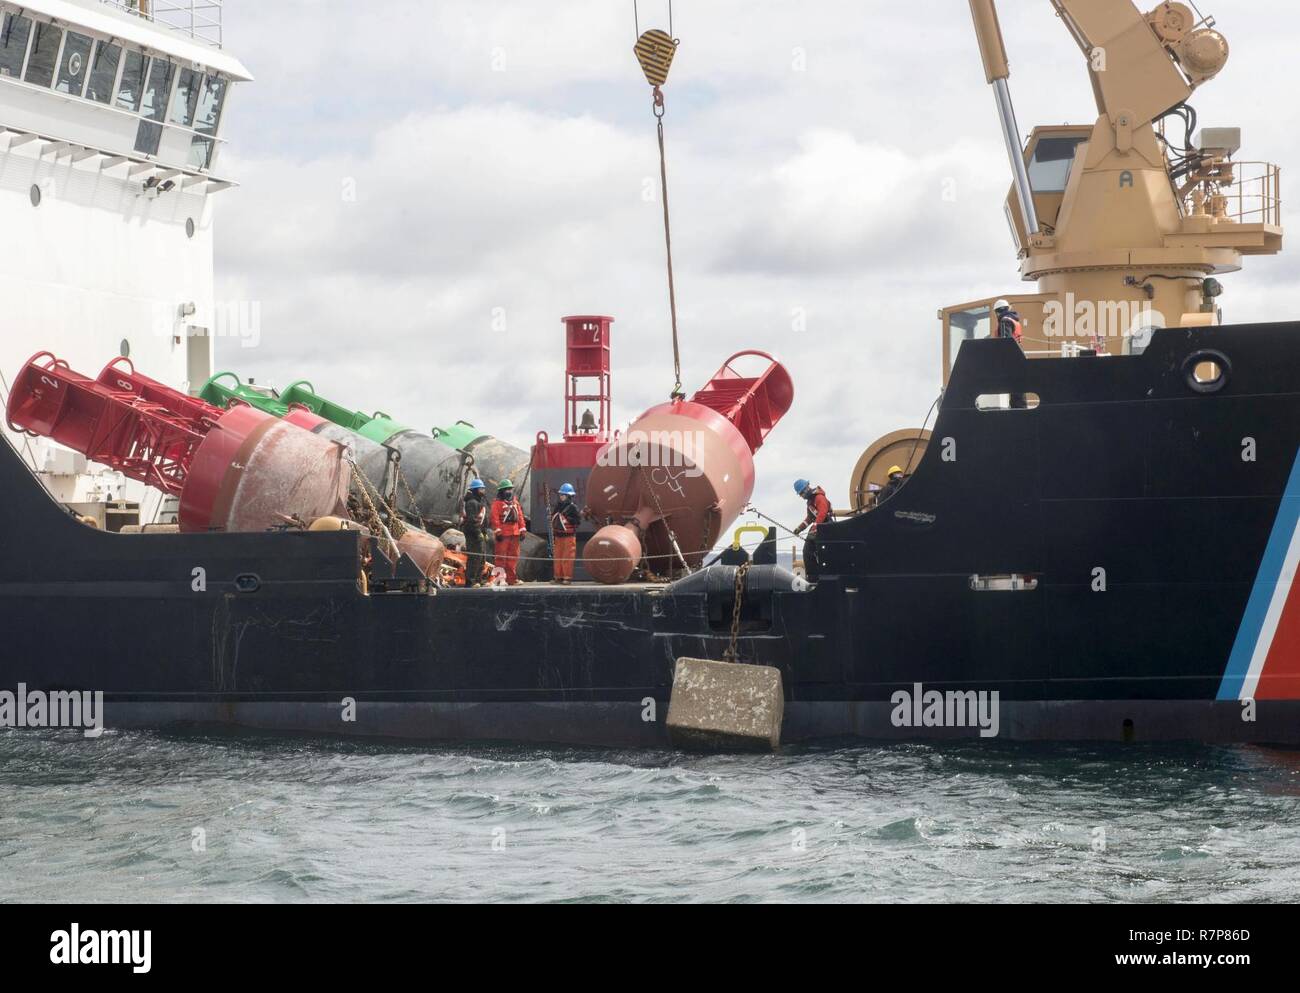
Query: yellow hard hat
[(895, 470)]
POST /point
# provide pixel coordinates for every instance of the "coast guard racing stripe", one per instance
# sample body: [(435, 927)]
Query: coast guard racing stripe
[(1265, 661)]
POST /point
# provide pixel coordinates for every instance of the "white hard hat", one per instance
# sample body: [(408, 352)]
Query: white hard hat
[(1002, 305)]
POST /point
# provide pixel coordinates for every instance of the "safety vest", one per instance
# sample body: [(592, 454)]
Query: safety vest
[(507, 518), (1010, 322), (819, 508), (566, 519)]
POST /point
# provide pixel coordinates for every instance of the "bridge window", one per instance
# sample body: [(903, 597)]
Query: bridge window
[(148, 136), (132, 87), (103, 71), (200, 152), (183, 101), (45, 49), (14, 33), (187, 97), (208, 118), (1049, 169), (156, 91), (72, 68)]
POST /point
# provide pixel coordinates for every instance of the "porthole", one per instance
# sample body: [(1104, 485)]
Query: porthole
[(36, 195), (189, 227), (124, 349), (248, 582), (1207, 371)]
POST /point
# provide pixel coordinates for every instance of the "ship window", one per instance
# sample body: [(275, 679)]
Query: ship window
[(128, 93), (200, 152), (147, 137), (13, 44), (209, 115), (1049, 169), (45, 49), (1014, 583), (186, 97), (1008, 401), (103, 71), (72, 68), (156, 91)]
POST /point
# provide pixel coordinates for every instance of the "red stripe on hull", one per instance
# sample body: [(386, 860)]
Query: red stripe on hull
[(1280, 679)]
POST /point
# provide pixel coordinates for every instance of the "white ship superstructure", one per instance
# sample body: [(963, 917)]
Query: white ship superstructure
[(110, 149)]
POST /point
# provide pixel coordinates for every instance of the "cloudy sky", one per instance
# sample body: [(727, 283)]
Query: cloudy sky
[(411, 169)]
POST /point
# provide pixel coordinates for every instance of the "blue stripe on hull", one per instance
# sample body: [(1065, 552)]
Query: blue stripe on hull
[(1261, 597)]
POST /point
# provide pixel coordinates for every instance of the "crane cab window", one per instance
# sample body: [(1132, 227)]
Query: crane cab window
[(1049, 169), (967, 325)]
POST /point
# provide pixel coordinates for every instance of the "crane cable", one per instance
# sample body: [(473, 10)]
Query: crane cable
[(636, 18), (654, 50), (677, 393)]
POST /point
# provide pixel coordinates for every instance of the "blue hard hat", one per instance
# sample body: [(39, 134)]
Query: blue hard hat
[(477, 485), (800, 485), (568, 490)]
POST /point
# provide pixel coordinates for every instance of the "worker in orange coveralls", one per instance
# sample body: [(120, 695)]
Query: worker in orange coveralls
[(564, 522), (509, 525)]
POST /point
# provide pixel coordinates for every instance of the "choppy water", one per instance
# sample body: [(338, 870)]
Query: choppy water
[(301, 820)]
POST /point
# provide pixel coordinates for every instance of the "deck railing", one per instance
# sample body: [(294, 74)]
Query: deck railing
[(1253, 197), (198, 19)]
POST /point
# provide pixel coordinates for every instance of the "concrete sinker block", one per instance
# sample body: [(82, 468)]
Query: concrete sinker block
[(725, 706)]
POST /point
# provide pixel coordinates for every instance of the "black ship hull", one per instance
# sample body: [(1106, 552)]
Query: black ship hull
[(1114, 563)]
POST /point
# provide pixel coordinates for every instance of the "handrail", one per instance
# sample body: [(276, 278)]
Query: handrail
[(198, 19), (1255, 191)]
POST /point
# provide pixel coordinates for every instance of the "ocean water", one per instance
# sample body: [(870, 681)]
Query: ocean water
[(158, 817)]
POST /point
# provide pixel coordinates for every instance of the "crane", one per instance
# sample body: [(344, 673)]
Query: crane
[(1123, 224), (1120, 213)]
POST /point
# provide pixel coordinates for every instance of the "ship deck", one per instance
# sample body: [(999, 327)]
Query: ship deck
[(552, 588)]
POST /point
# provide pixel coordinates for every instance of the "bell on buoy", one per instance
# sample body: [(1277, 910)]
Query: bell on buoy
[(588, 425)]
